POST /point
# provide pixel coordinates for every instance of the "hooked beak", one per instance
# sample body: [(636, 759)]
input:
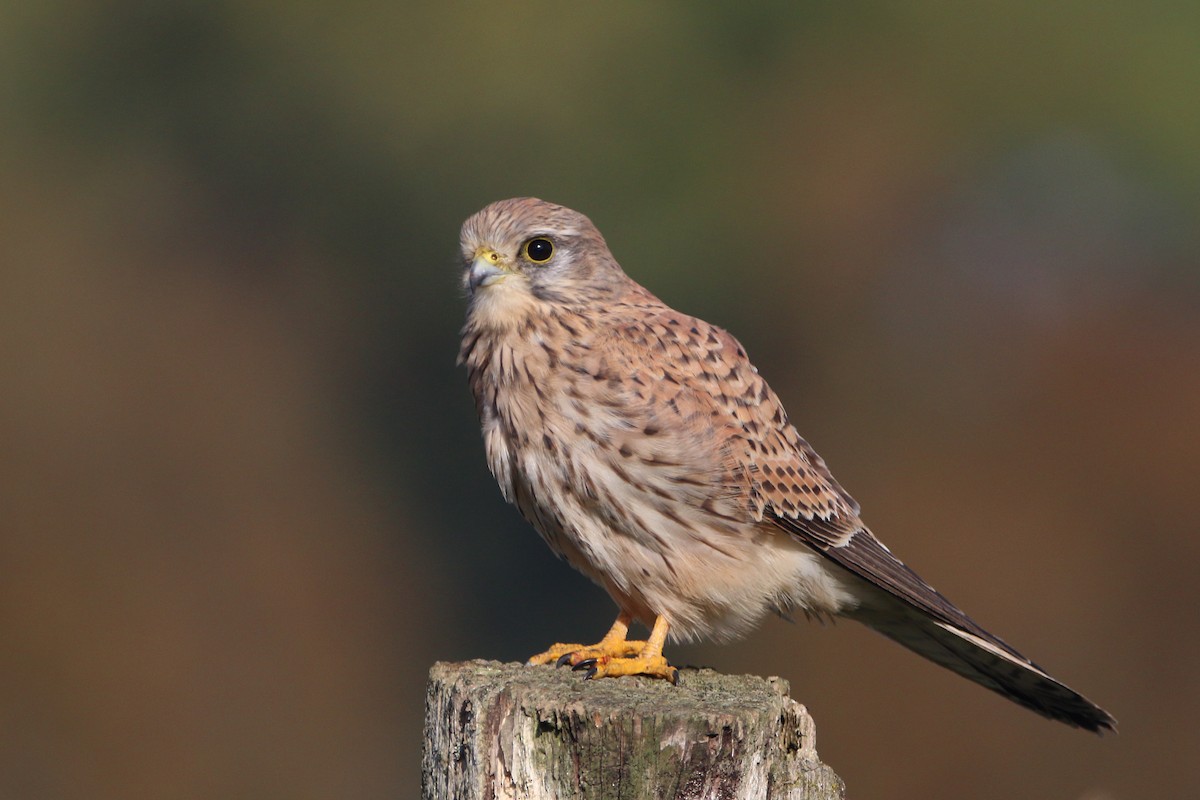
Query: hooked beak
[(486, 268)]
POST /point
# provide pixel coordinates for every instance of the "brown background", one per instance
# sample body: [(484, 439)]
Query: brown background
[(243, 503)]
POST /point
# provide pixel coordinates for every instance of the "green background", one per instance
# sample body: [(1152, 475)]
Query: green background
[(243, 500)]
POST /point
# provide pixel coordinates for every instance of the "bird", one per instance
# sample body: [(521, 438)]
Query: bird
[(648, 452)]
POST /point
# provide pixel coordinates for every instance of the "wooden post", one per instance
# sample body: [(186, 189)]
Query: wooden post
[(509, 731)]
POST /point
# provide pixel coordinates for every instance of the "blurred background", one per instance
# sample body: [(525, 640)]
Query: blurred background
[(243, 499)]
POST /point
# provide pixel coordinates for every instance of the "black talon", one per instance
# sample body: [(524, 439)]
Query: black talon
[(587, 663), (563, 660), (674, 679), (591, 673)]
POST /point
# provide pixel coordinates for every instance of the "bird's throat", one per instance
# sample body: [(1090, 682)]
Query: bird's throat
[(503, 306)]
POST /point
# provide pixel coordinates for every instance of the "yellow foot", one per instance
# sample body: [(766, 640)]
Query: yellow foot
[(615, 655), (573, 654), (651, 666)]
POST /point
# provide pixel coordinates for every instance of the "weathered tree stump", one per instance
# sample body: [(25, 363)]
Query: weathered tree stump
[(509, 731)]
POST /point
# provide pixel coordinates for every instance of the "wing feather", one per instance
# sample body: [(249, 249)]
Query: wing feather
[(866, 557)]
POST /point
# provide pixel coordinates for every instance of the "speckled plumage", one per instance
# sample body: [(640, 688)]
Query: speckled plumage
[(646, 449)]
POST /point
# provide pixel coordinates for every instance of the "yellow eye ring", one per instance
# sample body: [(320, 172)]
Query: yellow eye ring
[(539, 250)]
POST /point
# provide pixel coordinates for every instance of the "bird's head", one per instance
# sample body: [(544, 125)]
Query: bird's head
[(523, 253)]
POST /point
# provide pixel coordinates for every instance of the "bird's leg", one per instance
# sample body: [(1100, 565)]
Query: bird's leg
[(649, 661), (614, 644), (615, 655)]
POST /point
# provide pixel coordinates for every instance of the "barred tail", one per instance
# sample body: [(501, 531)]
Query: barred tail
[(988, 661)]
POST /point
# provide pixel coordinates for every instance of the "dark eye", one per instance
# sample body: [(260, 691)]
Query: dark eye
[(539, 250)]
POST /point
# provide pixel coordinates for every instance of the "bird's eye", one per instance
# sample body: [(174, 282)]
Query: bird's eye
[(539, 250)]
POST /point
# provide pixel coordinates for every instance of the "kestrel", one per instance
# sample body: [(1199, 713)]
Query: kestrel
[(647, 451)]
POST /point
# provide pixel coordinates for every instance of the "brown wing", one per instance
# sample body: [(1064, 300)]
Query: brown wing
[(790, 487), (868, 558), (783, 481), (698, 373), (817, 511)]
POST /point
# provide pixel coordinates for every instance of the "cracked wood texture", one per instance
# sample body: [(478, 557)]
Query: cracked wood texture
[(497, 731)]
